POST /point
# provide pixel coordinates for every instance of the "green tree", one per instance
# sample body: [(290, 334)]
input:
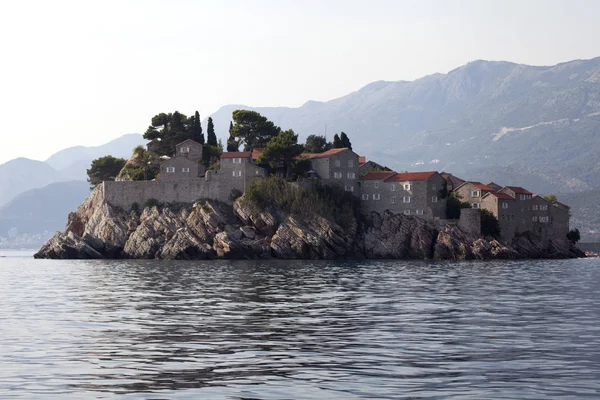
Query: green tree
[(337, 143), (196, 128), (345, 141), (252, 129), (281, 151), (168, 130), (573, 236), (454, 205), (489, 224), (316, 144), (211, 137), (105, 168), (550, 198)]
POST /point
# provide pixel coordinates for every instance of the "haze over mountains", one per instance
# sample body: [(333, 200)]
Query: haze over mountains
[(542, 122), (537, 127)]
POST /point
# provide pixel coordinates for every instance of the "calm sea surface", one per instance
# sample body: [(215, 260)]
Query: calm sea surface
[(299, 330)]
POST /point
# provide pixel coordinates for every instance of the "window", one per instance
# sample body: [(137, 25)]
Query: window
[(393, 188), (170, 170), (257, 172), (185, 170), (434, 199), (337, 175), (475, 205), (365, 197), (406, 212), (419, 212), (535, 207), (544, 207), (393, 200), (534, 219), (337, 163), (434, 187), (376, 196), (184, 149), (237, 173), (504, 205), (237, 160), (376, 185), (475, 193), (406, 199), (351, 175), (407, 186), (545, 219), (349, 188), (350, 163)]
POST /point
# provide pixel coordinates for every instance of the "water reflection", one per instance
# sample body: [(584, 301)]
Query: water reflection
[(300, 329)]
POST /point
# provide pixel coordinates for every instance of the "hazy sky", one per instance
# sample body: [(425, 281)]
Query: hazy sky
[(84, 72)]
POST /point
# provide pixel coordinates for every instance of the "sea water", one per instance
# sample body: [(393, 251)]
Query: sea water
[(299, 329)]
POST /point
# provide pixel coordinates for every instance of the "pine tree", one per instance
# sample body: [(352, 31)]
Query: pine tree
[(345, 141), (211, 138)]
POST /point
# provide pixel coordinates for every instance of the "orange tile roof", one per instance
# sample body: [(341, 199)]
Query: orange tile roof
[(411, 176), (519, 190), (375, 176), (235, 154), (325, 154), (256, 153)]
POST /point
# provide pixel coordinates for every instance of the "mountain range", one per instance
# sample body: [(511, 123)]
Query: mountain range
[(532, 126)]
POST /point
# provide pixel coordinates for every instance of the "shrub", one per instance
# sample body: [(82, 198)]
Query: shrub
[(454, 205), (152, 203), (574, 236), (489, 224), (329, 201), (235, 194)]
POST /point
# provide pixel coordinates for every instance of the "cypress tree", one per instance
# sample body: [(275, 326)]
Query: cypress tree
[(345, 141), (197, 134), (211, 138), (337, 143)]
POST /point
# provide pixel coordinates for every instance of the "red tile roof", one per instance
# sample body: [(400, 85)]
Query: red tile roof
[(519, 190), (478, 185), (236, 154), (325, 154), (375, 176), (411, 176)]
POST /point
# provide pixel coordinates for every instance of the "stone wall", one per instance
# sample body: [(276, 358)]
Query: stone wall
[(470, 221), (125, 193)]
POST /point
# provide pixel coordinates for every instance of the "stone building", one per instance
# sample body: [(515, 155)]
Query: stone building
[(504, 208), (472, 192), (365, 166), (409, 193), (186, 164), (336, 166), (238, 170)]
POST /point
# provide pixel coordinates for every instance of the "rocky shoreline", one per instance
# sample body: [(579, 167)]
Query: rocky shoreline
[(210, 230)]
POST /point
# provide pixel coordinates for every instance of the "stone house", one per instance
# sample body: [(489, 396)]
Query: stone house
[(186, 164), (504, 208), (452, 181), (238, 170), (336, 166), (559, 218), (523, 199), (365, 166), (409, 193), (472, 192)]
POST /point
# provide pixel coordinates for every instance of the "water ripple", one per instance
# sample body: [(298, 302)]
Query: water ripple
[(299, 330)]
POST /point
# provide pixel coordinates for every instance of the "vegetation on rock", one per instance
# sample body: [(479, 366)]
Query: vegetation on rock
[(105, 168)]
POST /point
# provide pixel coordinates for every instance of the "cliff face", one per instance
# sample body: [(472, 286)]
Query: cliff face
[(210, 229)]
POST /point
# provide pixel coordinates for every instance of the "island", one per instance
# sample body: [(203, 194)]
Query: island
[(184, 198)]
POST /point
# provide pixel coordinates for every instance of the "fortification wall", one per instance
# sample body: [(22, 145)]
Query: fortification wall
[(470, 221), (125, 193)]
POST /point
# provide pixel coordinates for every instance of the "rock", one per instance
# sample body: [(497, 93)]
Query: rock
[(67, 246), (248, 232), (185, 245)]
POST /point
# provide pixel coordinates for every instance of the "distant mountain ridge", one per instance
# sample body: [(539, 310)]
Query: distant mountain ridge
[(479, 118)]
